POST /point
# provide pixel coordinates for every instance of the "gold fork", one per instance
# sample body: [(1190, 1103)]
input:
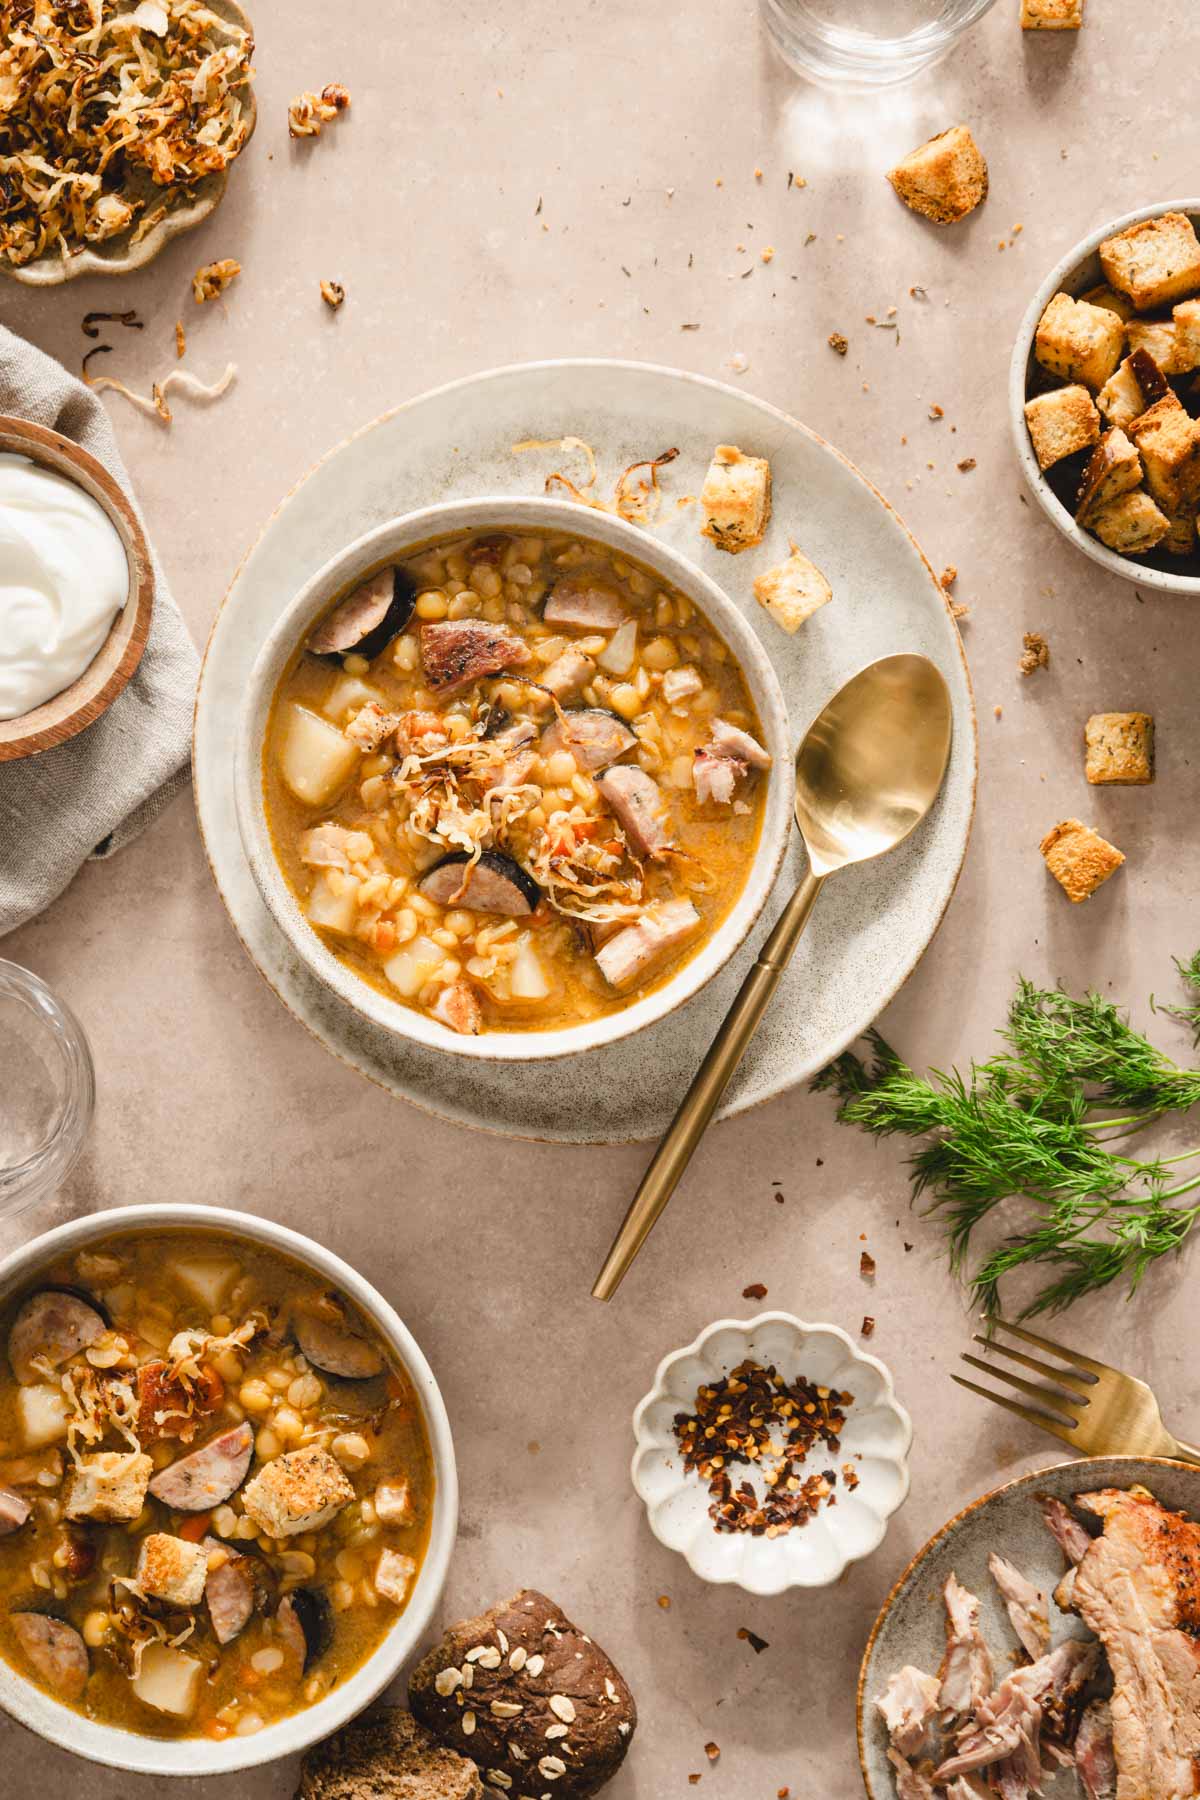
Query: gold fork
[(1097, 1410)]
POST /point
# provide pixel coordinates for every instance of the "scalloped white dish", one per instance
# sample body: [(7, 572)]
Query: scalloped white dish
[(876, 1440)]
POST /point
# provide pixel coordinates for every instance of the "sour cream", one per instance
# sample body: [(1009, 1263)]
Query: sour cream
[(64, 577)]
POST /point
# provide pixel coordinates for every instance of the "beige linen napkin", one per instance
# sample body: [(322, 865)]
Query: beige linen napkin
[(92, 795)]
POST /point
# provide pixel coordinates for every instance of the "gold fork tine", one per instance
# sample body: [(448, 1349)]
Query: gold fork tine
[(1060, 1350), (1075, 1383), (1042, 1420), (1055, 1403)]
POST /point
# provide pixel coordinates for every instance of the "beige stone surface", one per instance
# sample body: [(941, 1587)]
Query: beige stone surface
[(424, 202)]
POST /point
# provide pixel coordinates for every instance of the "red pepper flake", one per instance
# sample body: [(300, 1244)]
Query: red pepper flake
[(753, 1417), (757, 1644), (756, 1291), (866, 1266), (712, 1751), (868, 1326)]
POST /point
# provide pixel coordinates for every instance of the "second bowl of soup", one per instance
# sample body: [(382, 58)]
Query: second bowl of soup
[(513, 777)]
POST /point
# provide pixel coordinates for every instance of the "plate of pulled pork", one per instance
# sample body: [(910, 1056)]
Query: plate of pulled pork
[(1045, 1642)]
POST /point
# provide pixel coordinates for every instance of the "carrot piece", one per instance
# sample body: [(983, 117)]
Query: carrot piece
[(194, 1528)]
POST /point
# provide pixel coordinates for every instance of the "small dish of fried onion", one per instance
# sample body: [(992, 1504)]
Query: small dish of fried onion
[(120, 124)]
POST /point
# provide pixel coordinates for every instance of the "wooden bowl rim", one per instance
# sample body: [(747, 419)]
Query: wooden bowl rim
[(80, 704)]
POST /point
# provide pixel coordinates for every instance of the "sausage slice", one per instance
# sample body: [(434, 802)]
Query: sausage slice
[(55, 1652), (594, 737), (496, 884), (13, 1512), (208, 1476), (53, 1326), (336, 1348), (366, 622)]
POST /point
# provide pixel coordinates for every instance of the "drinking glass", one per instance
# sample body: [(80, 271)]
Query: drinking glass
[(867, 43), (47, 1090)]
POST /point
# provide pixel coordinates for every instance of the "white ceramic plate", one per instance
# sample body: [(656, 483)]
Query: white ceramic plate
[(873, 923), (876, 1442), (910, 1627)]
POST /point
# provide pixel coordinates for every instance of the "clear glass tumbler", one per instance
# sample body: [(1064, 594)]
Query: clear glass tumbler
[(867, 43), (47, 1090)]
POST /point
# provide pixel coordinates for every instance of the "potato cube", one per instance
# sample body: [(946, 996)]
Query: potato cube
[(109, 1486), (316, 760), (205, 1279), (1051, 15), (42, 1414), (1079, 859), (393, 1503), (1154, 262), (945, 178), (793, 590), (1114, 468), (1120, 749), (393, 1576), (168, 1680), (172, 1569), (1060, 423), (1079, 341), (736, 499), (1131, 525)]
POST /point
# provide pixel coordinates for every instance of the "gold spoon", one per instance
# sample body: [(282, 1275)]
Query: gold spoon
[(867, 772)]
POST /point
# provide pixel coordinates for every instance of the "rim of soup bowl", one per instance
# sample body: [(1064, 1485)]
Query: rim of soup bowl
[(405, 535), (117, 1748)]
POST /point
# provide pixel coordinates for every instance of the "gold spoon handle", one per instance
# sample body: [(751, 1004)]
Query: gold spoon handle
[(704, 1096)]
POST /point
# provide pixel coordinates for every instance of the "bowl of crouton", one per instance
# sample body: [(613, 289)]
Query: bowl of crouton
[(1105, 396)]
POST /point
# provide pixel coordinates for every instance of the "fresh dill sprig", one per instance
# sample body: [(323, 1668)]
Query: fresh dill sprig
[(1047, 1119), (1189, 974)]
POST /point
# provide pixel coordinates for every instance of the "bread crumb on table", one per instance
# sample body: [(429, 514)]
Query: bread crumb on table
[(1036, 654)]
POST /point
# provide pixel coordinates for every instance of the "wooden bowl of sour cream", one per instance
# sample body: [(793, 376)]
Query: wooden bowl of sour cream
[(57, 617)]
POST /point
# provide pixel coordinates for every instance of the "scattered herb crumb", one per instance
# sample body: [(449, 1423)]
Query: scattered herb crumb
[(936, 411), (866, 1266), (690, 327), (948, 576), (664, 1600), (694, 1779), (1036, 654), (92, 321), (838, 343), (333, 294), (712, 1751), (868, 1327), (756, 1643), (180, 340), (810, 239), (756, 1291), (917, 293), (966, 465)]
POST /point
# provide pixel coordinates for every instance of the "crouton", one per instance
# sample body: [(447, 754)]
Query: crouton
[(793, 590), (1110, 300), (736, 499), (300, 1491), (1060, 423), (1161, 339), (1051, 15), (1181, 530), (1168, 440), (1078, 341), (109, 1487), (171, 1569), (1120, 749), (1120, 399), (1131, 525), (1079, 859), (945, 178), (1186, 319), (1114, 468), (1155, 262), (393, 1576)]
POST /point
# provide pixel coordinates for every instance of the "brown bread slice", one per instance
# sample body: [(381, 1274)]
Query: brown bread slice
[(386, 1756)]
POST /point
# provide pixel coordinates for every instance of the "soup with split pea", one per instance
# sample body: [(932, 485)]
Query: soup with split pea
[(514, 780), (216, 1485)]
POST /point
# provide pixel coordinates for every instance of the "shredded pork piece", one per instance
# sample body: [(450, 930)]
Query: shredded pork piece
[(101, 106)]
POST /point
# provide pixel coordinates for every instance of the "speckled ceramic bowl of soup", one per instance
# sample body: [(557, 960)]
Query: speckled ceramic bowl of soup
[(126, 1269), (564, 934)]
